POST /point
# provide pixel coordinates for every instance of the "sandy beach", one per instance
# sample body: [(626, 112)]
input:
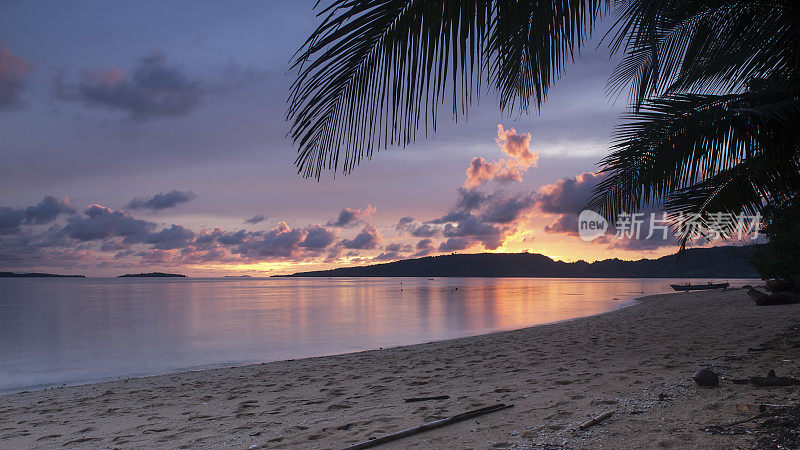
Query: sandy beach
[(636, 361)]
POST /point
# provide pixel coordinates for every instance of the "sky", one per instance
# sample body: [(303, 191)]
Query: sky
[(144, 136)]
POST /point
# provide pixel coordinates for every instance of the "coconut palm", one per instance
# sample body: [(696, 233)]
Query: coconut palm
[(714, 91)]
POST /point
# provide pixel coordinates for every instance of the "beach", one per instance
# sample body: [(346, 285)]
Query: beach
[(635, 361)]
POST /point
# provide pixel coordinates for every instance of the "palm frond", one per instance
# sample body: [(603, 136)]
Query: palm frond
[(375, 72), (702, 46), (691, 152), (531, 41)]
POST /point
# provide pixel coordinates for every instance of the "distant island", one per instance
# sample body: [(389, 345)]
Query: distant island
[(37, 275), (152, 275), (237, 276), (715, 262)]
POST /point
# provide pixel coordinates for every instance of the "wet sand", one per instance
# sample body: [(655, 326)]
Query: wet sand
[(636, 361)]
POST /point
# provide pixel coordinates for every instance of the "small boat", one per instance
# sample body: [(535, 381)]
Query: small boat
[(699, 287)]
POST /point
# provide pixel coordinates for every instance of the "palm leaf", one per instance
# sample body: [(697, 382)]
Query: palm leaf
[(375, 72), (710, 46), (695, 152)]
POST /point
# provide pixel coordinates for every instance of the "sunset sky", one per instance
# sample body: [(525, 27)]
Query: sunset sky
[(144, 136)]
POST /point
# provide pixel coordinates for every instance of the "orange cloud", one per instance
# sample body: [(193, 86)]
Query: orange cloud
[(479, 172), (519, 160)]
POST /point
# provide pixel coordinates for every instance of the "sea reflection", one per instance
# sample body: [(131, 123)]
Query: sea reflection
[(79, 330)]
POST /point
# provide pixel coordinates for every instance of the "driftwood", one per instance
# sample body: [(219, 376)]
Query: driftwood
[(774, 381), (597, 420), (771, 380), (425, 399), (428, 426)]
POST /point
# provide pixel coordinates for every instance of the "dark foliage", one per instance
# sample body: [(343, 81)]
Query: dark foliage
[(717, 262), (779, 259)]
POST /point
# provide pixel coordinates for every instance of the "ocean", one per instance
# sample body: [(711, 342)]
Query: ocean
[(56, 331)]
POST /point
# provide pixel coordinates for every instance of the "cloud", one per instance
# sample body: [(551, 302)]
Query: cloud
[(33, 251), (506, 209), (403, 222), (483, 220), (10, 220), (388, 256), (563, 224), (162, 200), (46, 211), (103, 236), (568, 195), (114, 245), (367, 239), (517, 147), (258, 218), (565, 199), (469, 199), (397, 247), (281, 241), (13, 73), (487, 234), (171, 238), (455, 244), (318, 237), (151, 89), (102, 223), (480, 171), (424, 247), (156, 256), (567, 224), (349, 217), (407, 225), (518, 160), (393, 251)]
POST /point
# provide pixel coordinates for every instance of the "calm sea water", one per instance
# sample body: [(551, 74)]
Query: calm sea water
[(67, 331)]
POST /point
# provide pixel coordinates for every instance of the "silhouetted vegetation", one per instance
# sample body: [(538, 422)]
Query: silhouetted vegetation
[(717, 262), (779, 259), (37, 275)]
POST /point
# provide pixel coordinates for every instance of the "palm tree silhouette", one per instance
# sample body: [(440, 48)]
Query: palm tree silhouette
[(714, 95)]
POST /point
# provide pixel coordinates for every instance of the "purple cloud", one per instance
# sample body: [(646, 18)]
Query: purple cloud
[(318, 237), (102, 223), (162, 200), (258, 218), (349, 217), (46, 211), (367, 239), (152, 89)]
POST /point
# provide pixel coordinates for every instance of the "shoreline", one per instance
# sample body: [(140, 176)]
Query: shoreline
[(556, 374)]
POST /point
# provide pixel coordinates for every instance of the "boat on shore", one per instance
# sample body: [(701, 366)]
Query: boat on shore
[(699, 287)]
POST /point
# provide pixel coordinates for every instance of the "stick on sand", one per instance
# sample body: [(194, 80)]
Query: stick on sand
[(597, 420), (429, 426), (424, 399)]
